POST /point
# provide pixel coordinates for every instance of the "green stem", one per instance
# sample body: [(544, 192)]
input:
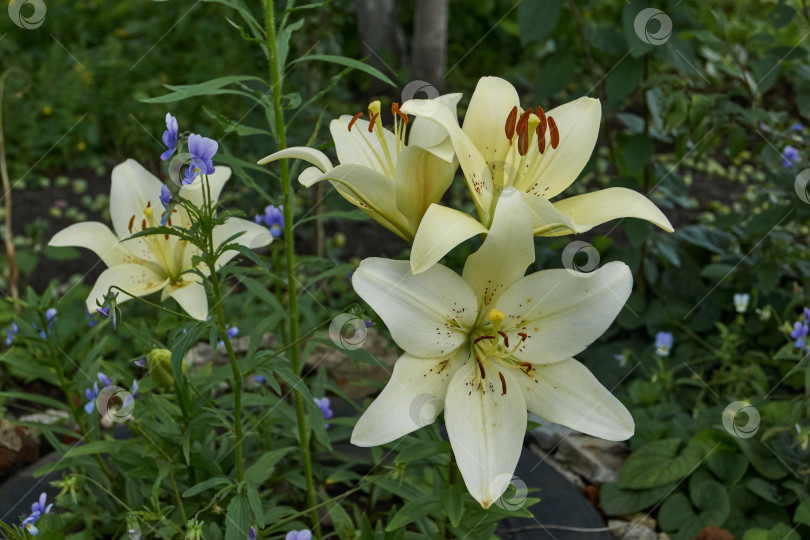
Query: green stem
[(281, 142), (223, 331), (237, 375)]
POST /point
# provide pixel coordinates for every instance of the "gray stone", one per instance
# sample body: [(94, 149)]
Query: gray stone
[(627, 530), (596, 460), (549, 435)]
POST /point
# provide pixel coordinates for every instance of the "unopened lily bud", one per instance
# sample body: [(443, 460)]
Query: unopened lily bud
[(160, 367)]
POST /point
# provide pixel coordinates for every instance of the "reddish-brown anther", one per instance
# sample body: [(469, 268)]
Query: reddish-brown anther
[(555, 133), (523, 120), (481, 367), (510, 124), (372, 120), (354, 119), (505, 337), (395, 111), (523, 140)]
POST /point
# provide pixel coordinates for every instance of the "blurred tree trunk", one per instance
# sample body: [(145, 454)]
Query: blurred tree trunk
[(382, 36), (429, 46)]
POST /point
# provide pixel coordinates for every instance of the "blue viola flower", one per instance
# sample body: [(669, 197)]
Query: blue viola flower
[(323, 404), (796, 127), (663, 343), (170, 137), (50, 315), (799, 333), (273, 219), (232, 332), (39, 508), (202, 150), (103, 379), (304, 534), (91, 394), (252, 533), (11, 332), (131, 396), (165, 200), (790, 156), (141, 362), (105, 312), (91, 319)]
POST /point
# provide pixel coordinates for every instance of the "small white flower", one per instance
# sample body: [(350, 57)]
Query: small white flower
[(741, 302)]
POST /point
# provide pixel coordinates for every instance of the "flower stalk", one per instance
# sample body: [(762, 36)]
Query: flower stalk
[(276, 83)]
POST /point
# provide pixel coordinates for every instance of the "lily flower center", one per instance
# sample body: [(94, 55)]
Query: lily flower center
[(533, 128), (490, 346), (166, 255), (386, 160)]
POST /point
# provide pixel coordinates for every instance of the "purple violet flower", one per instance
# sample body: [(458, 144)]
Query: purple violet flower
[(170, 137)]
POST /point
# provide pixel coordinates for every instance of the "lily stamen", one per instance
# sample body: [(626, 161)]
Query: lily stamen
[(503, 383), (354, 119), (481, 367), (510, 124), (481, 338), (555, 133), (505, 338)]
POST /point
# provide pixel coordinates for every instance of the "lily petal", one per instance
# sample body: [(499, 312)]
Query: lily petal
[(506, 253), (136, 279), (476, 169), (546, 218), (427, 133), (372, 192), (592, 209), (359, 147), (490, 105), (578, 124), (190, 295), (255, 236), (562, 311), (421, 180), (486, 429), (567, 393), (413, 398), (133, 188), (96, 237), (441, 230), (216, 181), (310, 155), (429, 315)]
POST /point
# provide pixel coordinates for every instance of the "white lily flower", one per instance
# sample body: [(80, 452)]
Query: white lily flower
[(152, 263), (490, 344), (392, 179), (538, 153)]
